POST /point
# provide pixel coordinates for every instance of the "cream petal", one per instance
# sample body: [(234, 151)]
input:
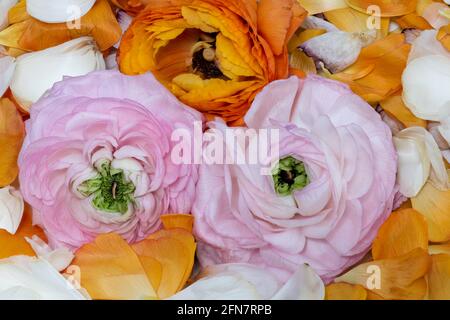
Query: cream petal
[(7, 66), (59, 258), (27, 277), (425, 87), (36, 72), (58, 11), (419, 160), (11, 209)]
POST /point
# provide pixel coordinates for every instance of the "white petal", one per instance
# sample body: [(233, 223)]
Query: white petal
[(238, 281), (419, 160), (7, 66), (59, 258), (11, 209), (36, 72), (426, 83), (426, 44), (305, 284), (27, 277), (5, 5), (58, 11)]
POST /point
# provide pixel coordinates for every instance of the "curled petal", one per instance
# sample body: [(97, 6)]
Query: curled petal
[(419, 159), (59, 258)]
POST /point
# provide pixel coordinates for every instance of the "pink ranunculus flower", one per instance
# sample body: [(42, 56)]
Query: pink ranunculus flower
[(333, 187), (97, 158)]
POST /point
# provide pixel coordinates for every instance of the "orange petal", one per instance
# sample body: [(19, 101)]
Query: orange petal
[(386, 59), (402, 232), (174, 251), (12, 245), (434, 204), (183, 221), (275, 19), (110, 269), (444, 36), (388, 8), (413, 21), (439, 277), (395, 278), (345, 291), (350, 20), (395, 107), (12, 132), (314, 7), (33, 35)]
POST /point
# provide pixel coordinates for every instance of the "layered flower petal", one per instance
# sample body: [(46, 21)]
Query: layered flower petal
[(7, 66), (322, 201), (98, 158)]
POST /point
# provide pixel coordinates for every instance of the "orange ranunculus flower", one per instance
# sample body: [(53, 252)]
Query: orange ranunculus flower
[(214, 55), (132, 7)]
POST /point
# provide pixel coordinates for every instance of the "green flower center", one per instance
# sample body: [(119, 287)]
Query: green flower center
[(289, 175), (110, 190)]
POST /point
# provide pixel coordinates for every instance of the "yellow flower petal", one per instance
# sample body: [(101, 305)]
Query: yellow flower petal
[(344, 291), (444, 36), (12, 132), (395, 107), (319, 6), (110, 269), (388, 8), (34, 35), (383, 63), (439, 277), (402, 232), (173, 221), (434, 204), (399, 278), (443, 248)]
